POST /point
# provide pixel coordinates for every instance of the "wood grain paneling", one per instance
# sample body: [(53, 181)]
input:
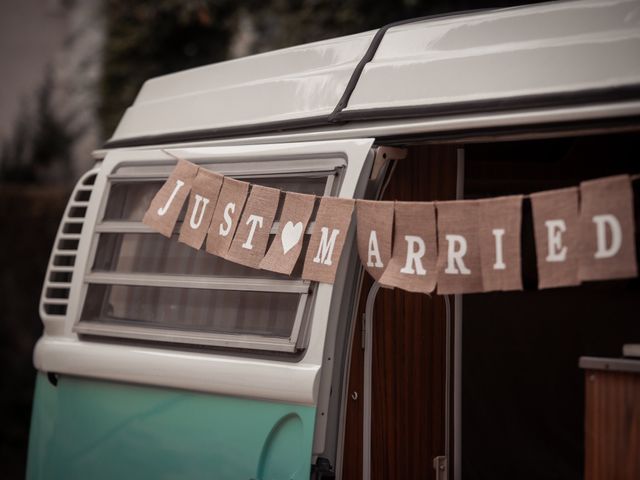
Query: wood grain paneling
[(408, 410), (612, 425)]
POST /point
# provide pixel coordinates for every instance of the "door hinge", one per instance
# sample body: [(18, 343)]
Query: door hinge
[(440, 466)]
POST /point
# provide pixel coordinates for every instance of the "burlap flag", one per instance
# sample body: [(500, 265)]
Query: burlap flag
[(499, 234), (327, 240), (202, 202), (413, 263), (375, 235), (286, 247), (555, 224), (459, 266), (225, 217), (252, 235), (167, 204), (607, 237)]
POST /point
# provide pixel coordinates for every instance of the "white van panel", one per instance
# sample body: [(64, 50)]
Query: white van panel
[(294, 83), (60, 350), (555, 48)]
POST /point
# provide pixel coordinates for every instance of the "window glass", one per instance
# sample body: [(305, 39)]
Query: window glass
[(127, 255), (145, 253), (199, 310)]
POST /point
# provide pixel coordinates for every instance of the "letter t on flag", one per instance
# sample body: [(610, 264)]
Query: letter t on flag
[(327, 240), (607, 238)]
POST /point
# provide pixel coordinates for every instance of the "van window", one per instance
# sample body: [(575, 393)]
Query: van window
[(144, 286)]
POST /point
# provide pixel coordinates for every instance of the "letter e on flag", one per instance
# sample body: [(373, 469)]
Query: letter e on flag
[(555, 225)]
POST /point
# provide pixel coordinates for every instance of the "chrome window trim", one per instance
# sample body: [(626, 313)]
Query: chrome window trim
[(328, 167), (198, 281)]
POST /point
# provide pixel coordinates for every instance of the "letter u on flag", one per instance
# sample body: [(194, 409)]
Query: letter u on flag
[(607, 237), (413, 264), (327, 240), (167, 204), (202, 202)]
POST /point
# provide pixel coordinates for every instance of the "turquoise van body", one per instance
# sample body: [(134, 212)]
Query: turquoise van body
[(161, 361), (103, 430)]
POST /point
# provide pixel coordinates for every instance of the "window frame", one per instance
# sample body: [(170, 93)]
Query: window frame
[(330, 166)]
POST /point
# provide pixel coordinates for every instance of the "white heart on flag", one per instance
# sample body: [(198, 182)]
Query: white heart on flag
[(290, 235)]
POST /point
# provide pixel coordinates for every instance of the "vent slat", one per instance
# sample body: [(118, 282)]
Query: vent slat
[(57, 286)]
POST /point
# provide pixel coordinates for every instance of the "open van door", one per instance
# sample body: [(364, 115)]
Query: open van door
[(158, 360)]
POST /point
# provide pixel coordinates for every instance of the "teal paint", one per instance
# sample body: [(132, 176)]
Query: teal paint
[(85, 428)]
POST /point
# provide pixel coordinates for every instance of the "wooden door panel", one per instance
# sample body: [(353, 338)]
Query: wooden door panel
[(408, 385)]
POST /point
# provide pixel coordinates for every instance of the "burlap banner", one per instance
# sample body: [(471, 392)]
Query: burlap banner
[(166, 206), (458, 247), (499, 234), (286, 247), (233, 194), (413, 264), (555, 224), (252, 235), (607, 244), (375, 235), (202, 202), (327, 240), (465, 246)]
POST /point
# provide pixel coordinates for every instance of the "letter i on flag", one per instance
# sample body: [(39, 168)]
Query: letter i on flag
[(327, 240), (555, 226), (413, 264), (202, 202), (375, 235), (499, 234), (607, 237), (167, 204)]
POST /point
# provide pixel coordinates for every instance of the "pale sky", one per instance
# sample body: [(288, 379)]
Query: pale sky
[(31, 31)]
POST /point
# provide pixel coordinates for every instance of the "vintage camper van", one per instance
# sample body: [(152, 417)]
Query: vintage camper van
[(161, 361)]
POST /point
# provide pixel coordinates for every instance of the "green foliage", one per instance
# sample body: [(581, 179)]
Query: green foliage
[(150, 38)]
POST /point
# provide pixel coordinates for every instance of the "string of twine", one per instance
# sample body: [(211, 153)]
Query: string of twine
[(633, 177)]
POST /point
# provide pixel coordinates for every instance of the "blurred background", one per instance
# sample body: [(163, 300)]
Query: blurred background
[(69, 70)]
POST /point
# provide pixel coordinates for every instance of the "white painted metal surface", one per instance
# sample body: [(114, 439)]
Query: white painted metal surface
[(555, 48), (552, 48), (61, 351), (294, 83)]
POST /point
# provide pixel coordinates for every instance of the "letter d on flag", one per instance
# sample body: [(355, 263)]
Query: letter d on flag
[(607, 237)]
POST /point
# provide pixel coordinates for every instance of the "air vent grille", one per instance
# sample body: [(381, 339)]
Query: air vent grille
[(57, 283)]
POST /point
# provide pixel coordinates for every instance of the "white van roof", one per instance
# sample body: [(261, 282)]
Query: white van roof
[(551, 53)]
